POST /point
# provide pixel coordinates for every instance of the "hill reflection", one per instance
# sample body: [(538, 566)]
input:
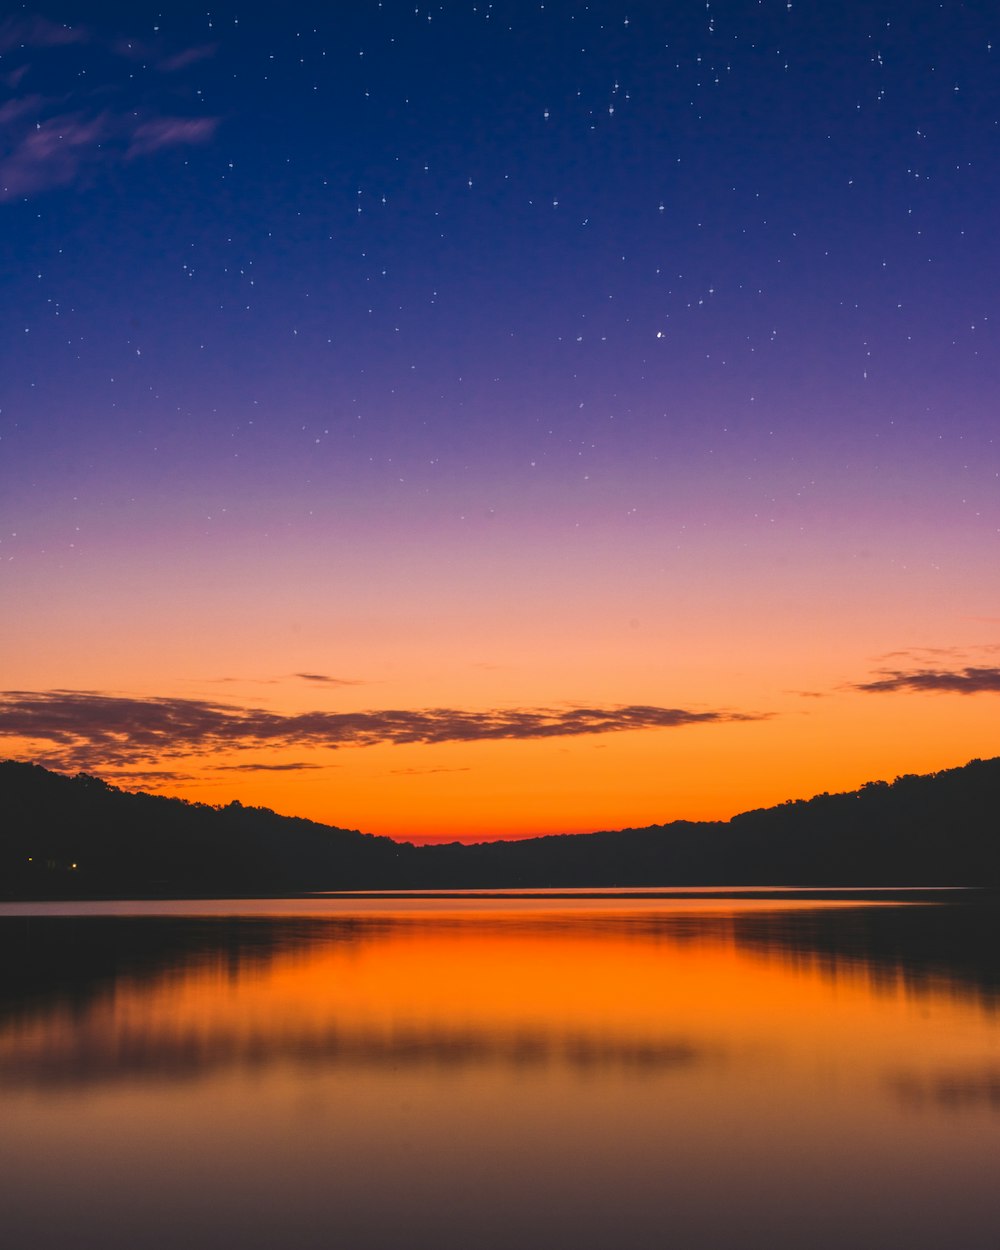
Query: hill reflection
[(634, 989)]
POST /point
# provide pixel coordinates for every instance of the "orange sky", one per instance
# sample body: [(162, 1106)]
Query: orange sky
[(592, 620)]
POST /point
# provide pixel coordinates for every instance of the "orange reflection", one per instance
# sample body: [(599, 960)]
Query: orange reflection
[(492, 983), (472, 1073)]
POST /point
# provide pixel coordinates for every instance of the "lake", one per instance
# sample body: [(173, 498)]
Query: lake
[(602, 1069)]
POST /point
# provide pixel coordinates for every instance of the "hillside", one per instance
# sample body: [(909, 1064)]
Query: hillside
[(77, 836)]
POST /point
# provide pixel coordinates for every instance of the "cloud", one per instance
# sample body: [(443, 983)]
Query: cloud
[(915, 652), (939, 655), (147, 776), (327, 680), (26, 106), (94, 730), (166, 132), (972, 680), (55, 141), (267, 768), (51, 153), (181, 60), (13, 78), (33, 31)]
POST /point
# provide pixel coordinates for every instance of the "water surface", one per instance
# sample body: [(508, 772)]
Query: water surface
[(599, 1070)]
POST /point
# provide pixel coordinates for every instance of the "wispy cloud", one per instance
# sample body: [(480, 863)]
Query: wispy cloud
[(971, 680), (189, 56), (319, 679), (267, 768), (93, 730), (151, 777), (325, 679), (167, 132), (51, 153), (13, 78), (14, 110), (58, 139), (917, 656), (33, 31)]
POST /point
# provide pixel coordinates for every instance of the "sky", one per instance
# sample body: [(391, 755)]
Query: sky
[(476, 420)]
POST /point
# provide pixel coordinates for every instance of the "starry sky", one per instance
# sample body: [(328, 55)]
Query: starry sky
[(476, 419)]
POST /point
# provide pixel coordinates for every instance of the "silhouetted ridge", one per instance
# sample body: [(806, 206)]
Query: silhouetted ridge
[(938, 829), (121, 841)]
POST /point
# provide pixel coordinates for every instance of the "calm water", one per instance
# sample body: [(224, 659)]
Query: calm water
[(602, 1071)]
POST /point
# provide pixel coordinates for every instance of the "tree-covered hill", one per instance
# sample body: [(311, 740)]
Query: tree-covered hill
[(78, 836)]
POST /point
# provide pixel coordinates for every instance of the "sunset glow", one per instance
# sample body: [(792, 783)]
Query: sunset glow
[(499, 419)]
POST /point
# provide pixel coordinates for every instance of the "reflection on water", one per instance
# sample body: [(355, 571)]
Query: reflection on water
[(591, 1071)]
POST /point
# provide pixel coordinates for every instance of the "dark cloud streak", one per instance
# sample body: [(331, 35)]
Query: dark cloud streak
[(90, 729), (972, 680), (267, 768), (326, 680)]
